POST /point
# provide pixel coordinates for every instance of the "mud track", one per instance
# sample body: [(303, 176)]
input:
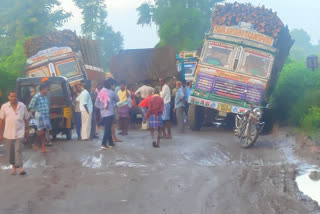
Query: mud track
[(198, 172)]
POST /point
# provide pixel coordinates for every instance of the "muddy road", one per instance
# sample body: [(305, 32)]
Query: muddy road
[(195, 173)]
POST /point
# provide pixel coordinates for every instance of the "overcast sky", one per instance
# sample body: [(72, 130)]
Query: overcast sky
[(122, 16)]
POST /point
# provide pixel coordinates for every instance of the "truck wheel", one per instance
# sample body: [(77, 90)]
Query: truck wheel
[(195, 117), (69, 134), (230, 122), (269, 121)]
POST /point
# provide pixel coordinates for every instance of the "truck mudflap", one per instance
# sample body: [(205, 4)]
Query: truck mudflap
[(221, 107)]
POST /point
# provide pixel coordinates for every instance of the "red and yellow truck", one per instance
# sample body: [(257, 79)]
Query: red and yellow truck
[(62, 53)]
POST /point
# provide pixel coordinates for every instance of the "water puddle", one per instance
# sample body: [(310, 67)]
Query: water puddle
[(308, 182), (129, 164), (28, 165), (5, 167), (92, 161)]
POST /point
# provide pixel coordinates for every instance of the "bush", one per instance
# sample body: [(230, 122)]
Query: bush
[(310, 123), (292, 92), (310, 97)]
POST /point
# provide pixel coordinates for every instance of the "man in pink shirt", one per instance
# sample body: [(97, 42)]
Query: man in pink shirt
[(13, 129)]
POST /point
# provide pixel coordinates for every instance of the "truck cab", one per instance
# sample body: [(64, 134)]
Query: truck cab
[(186, 64), (234, 69), (54, 62)]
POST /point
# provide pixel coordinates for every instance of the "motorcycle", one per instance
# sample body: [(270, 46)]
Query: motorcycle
[(249, 126)]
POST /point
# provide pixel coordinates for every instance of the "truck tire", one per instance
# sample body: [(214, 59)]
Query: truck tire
[(195, 117), (269, 121)]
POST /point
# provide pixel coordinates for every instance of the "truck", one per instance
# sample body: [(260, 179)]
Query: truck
[(186, 64), (137, 65), (241, 57), (62, 53)]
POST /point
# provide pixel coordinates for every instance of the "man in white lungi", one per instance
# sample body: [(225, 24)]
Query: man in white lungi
[(86, 109)]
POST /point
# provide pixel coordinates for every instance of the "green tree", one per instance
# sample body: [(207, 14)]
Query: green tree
[(21, 19), (302, 46), (11, 68), (181, 24), (94, 14), (95, 26)]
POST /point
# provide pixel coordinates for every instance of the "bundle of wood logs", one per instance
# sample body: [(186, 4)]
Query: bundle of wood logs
[(65, 38), (265, 21)]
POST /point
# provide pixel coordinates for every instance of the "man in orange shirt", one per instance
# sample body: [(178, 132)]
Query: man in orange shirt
[(154, 114)]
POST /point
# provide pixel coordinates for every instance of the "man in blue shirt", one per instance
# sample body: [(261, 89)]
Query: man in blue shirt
[(40, 105), (179, 106), (188, 90)]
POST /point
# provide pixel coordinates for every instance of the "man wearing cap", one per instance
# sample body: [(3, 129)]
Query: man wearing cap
[(86, 109)]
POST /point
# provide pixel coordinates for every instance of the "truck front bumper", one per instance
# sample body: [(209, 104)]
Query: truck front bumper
[(219, 106)]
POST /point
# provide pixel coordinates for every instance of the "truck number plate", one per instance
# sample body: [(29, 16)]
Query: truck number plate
[(224, 107)]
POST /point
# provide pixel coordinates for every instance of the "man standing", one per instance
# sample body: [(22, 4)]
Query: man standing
[(165, 94), (40, 105), (123, 108), (179, 106), (13, 129), (86, 109), (107, 112), (77, 112), (187, 94), (93, 132), (155, 108)]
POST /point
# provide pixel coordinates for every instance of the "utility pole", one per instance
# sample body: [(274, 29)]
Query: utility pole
[(312, 62)]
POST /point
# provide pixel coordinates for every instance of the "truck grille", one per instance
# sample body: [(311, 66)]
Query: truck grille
[(228, 88), (231, 89)]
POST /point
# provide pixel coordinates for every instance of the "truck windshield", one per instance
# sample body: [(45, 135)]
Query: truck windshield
[(39, 72), (67, 68), (189, 68), (256, 63), (218, 54)]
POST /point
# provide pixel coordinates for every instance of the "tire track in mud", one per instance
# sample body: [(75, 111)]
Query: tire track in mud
[(266, 186)]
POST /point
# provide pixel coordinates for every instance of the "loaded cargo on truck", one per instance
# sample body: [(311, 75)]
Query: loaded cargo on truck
[(137, 65), (62, 53), (241, 57)]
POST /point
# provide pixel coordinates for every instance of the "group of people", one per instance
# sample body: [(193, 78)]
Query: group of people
[(108, 105)]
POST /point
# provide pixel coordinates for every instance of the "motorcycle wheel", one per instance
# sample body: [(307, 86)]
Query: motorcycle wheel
[(251, 138)]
